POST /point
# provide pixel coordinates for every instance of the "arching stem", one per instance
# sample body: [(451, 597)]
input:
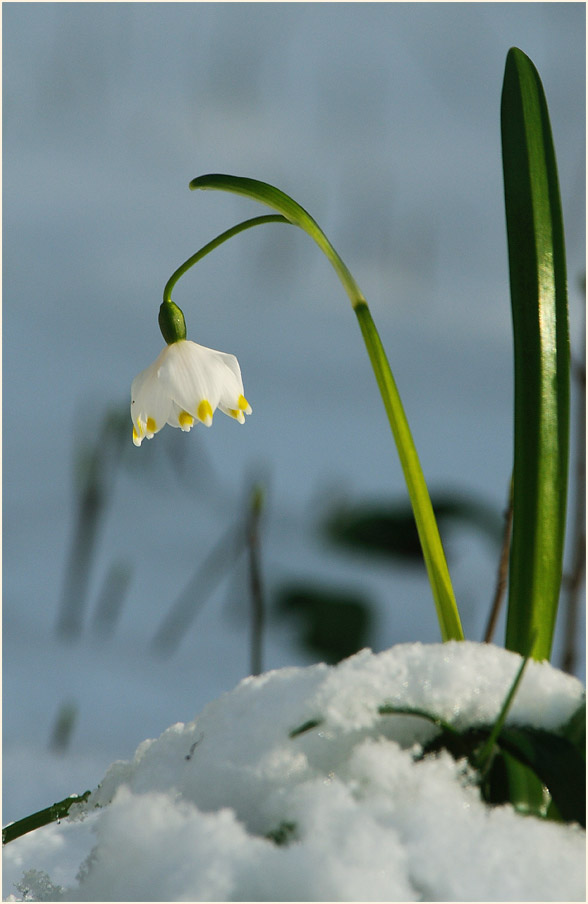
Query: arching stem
[(426, 523), (206, 249)]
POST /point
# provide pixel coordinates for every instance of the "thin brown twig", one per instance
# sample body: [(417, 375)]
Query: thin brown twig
[(572, 582), (502, 573), (255, 582)]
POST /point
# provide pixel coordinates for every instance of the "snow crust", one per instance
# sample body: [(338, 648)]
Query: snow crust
[(356, 817)]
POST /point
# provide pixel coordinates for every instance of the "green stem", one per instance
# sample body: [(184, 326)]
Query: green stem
[(292, 211), (424, 515), (42, 817), (223, 237), (483, 757), (419, 495)]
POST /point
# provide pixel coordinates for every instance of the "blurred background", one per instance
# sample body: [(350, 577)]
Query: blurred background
[(127, 572)]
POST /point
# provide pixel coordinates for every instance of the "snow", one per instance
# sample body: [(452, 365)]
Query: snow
[(358, 818)]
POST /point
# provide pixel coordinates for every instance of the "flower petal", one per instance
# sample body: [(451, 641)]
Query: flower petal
[(150, 404), (186, 383), (232, 400), (180, 418), (189, 376)]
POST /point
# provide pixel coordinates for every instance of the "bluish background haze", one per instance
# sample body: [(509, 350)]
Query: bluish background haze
[(383, 121)]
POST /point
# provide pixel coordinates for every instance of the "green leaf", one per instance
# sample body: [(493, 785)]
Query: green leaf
[(538, 772), (541, 358), (509, 781), (448, 735), (575, 729), (557, 763), (306, 726)]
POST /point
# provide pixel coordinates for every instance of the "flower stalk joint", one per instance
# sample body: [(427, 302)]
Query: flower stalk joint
[(171, 322)]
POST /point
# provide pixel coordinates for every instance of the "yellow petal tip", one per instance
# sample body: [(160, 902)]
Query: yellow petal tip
[(204, 412), (244, 404), (186, 421)]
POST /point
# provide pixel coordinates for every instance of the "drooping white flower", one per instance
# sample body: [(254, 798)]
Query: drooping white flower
[(186, 383)]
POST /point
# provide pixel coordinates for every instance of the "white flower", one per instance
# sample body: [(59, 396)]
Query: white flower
[(186, 383)]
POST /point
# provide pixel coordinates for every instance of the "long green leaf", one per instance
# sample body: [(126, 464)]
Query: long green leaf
[(433, 553), (424, 516), (541, 358)]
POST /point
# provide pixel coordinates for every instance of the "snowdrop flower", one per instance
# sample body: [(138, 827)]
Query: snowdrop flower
[(186, 383)]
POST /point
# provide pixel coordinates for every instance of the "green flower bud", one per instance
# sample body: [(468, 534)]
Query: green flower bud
[(171, 322)]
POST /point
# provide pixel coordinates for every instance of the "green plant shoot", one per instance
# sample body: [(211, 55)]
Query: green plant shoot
[(541, 359), (428, 531)]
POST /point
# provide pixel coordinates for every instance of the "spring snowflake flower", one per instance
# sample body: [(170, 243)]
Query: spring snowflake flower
[(186, 383)]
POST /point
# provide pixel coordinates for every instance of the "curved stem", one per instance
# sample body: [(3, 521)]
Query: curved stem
[(223, 237), (426, 523), (292, 211)]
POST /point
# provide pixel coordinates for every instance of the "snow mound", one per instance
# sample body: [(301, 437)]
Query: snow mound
[(250, 803)]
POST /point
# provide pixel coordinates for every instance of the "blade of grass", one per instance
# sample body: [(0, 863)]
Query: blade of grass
[(483, 757), (502, 576), (430, 539), (541, 358)]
